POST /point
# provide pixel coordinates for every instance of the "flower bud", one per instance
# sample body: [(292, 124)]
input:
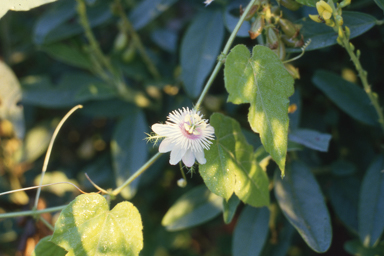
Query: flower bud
[(339, 20), (324, 9), (345, 3), (288, 28), (290, 4), (274, 42), (252, 12), (182, 183), (316, 18), (341, 33), (294, 72), (347, 32), (256, 27), (120, 41), (330, 23), (351, 46)]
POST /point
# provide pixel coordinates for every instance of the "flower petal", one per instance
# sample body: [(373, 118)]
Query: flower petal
[(166, 145), (200, 157), (176, 154), (189, 158), (163, 129)]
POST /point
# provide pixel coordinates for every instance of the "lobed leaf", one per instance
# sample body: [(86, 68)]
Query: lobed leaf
[(193, 208), (347, 96), (262, 81), (371, 203), (251, 232), (302, 203), (86, 227), (231, 165), (47, 248), (200, 48)]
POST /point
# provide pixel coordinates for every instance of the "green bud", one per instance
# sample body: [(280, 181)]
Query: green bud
[(252, 12), (121, 41), (351, 46), (292, 42), (345, 3), (129, 54), (338, 39), (294, 72), (288, 28), (290, 4), (341, 33), (358, 53), (339, 20), (256, 27), (347, 32)]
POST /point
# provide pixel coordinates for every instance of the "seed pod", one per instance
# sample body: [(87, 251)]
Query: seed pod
[(290, 4), (272, 38), (288, 28), (292, 42), (294, 72), (275, 10), (121, 41), (252, 12), (280, 51), (256, 27)]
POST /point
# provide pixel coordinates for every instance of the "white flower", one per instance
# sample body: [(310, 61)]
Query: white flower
[(186, 135), (207, 2)]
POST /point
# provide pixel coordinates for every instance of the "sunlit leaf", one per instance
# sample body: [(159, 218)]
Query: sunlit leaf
[(322, 36), (148, 10), (311, 139), (302, 202), (129, 149), (371, 203), (10, 96), (200, 48), (87, 227), (20, 5), (193, 208), (251, 232), (231, 166), (347, 96), (47, 248), (230, 208), (262, 81), (57, 176)]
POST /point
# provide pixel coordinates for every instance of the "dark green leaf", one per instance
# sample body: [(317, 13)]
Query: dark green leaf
[(147, 11), (10, 96), (200, 48), (262, 80), (311, 3), (230, 208), (356, 248), (231, 165), (231, 21), (251, 232), (165, 38), (86, 227), (193, 208), (347, 96), (47, 248), (311, 139), (344, 194), (129, 149), (69, 55), (107, 108), (343, 168), (371, 203), (322, 36), (301, 201), (380, 3)]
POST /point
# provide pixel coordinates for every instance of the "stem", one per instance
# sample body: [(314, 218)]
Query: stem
[(136, 39), (47, 223), (32, 212), (224, 53), (49, 150), (362, 73), (136, 174)]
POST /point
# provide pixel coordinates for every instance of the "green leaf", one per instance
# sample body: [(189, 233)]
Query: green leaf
[(86, 227), (68, 54), (322, 36), (147, 11), (193, 208), (380, 3), (302, 203), (47, 248), (229, 208), (262, 81), (107, 108), (20, 5), (10, 96), (200, 48), (129, 149), (311, 3), (356, 248), (311, 139), (251, 232), (231, 166), (347, 96), (371, 203)]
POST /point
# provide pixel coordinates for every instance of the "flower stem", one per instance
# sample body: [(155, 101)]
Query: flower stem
[(362, 73), (223, 54), (31, 212), (136, 174)]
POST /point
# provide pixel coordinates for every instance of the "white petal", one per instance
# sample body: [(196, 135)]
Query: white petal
[(200, 157), (162, 129), (166, 145), (176, 154), (189, 158)]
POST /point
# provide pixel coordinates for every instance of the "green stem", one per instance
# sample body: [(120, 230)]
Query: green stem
[(362, 73), (224, 53), (136, 174), (31, 212), (137, 41), (46, 223)]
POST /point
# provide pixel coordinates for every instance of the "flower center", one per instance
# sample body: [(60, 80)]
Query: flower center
[(193, 124)]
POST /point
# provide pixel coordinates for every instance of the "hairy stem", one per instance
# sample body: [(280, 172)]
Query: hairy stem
[(223, 54), (32, 212)]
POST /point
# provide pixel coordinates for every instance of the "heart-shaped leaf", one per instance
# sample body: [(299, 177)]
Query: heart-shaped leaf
[(47, 248)]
